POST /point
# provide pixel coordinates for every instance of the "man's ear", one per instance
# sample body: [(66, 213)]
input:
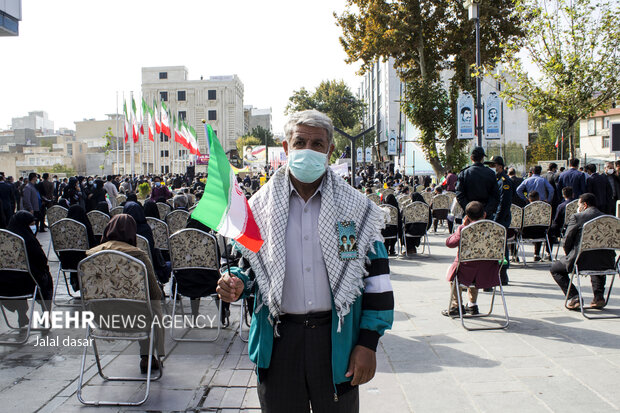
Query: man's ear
[(285, 146), (484, 215)]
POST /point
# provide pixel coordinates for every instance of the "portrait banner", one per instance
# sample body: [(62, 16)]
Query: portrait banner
[(360, 155), (391, 149), (368, 154), (493, 116), (465, 116)]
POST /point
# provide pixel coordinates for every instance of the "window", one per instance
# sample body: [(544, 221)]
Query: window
[(163, 96), (163, 75), (165, 169), (212, 115), (606, 122), (180, 95), (591, 127), (212, 94), (182, 154), (182, 115), (163, 138), (164, 154), (605, 142)]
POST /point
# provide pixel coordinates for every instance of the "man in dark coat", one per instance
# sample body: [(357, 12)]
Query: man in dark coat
[(573, 178), (614, 183), (478, 183), (598, 185), (592, 261), (7, 198)]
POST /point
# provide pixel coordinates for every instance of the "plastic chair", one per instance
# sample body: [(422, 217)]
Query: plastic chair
[(68, 236), (164, 209), (15, 260), (120, 199), (192, 249), (392, 216), (98, 221), (440, 206), (54, 214), (599, 234), (374, 198), (116, 210), (482, 240), (113, 279), (569, 211), (516, 223), (160, 232), (536, 214)]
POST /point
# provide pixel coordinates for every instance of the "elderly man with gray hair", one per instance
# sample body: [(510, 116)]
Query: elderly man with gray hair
[(180, 201), (322, 301)]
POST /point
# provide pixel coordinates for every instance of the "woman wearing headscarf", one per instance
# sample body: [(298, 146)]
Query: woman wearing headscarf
[(394, 229), (120, 235), (17, 283), (162, 269), (414, 242), (72, 192), (103, 207), (96, 196), (150, 209), (78, 214), (63, 203)]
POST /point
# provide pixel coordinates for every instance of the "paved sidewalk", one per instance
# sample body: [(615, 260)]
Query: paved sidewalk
[(548, 360)]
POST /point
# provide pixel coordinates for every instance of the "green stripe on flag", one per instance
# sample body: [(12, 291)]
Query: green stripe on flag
[(213, 205)]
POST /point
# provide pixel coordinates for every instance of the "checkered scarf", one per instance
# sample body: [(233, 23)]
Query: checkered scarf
[(339, 202)]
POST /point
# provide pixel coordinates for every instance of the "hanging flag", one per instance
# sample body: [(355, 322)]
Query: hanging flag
[(178, 138), (557, 141), (145, 110), (151, 125), (223, 206), (192, 132), (156, 117), (134, 121), (165, 120), (188, 138), (126, 121)]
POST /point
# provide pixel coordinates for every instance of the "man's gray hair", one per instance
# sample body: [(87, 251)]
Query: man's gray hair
[(312, 118), (180, 201)]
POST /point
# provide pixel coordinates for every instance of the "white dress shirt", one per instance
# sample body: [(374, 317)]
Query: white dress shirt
[(306, 285)]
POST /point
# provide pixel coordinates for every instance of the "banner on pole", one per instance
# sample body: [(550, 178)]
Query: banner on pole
[(369, 154), (360, 155), (465, 116), (493, 116), (391, 149)]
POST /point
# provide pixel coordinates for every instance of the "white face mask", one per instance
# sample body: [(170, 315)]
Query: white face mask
[(33, 228), (610, 171)]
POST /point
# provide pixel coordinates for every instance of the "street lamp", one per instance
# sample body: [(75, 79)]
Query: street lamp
[(473, 7)]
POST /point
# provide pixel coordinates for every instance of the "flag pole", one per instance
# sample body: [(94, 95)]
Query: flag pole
[(132, 116), (117, 142)]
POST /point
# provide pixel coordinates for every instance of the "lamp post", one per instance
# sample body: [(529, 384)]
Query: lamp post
[(474, 14)]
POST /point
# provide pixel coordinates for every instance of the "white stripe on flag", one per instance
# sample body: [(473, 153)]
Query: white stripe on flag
[(235, 219)]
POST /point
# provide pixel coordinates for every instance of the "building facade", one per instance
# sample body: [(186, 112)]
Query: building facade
[(253, 117), (217, 99), (36, 120), (10, 16), (594, 136)]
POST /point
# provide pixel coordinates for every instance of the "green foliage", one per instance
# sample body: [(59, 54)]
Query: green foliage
[(108, 136), (144, 189), (334, 98), (425, 37), (574, 46), (57, 168)]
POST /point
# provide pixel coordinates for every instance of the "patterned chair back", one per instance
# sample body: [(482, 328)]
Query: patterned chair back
[(387, 191), (116, 210), (419, 188), (455, 209), (98, 220), (571, 209), (160, 232), (482, 240), (192, 209), (537, 213), (415, 213), (164, 209), (191, 199), (170, 202), (374, 198), (120, 199), (516, 213), (451, 195), (143, 244), (600, 233), (404, 201), (55, 214), (392, 212), (441, 201), (69, 235), (191, 248), (113, 277), (428, 197), (13, 255), (177, 220)]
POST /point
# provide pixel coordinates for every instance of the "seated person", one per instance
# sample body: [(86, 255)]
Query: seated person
[(418, 229), (440, 215), (393, 229), (589, 261), (120, 235), (180, 202), (16, 283), (150, 209), (558, 221), (475, 274), (536, 231)]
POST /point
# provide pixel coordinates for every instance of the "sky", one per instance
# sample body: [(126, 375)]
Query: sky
[(72, 56)]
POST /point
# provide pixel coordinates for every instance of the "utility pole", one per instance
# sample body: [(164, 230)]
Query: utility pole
[(353, 149), (473, 6)]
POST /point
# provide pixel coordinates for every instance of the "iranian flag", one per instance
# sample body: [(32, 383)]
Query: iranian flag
[(165, 120), (192, 132), (126, 121), (156, 117), (151, 125), (178, 137), (145, 110), (223, 206), (134, 121)]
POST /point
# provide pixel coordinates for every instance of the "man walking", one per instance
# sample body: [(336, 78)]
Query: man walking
[(320, 309)]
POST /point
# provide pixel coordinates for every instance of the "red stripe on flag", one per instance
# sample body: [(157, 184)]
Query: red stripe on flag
[(251, 238)]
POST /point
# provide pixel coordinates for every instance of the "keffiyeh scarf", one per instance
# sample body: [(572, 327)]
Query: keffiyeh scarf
[(339, 203)]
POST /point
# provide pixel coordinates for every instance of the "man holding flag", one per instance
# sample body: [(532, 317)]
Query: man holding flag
[(320, 275)]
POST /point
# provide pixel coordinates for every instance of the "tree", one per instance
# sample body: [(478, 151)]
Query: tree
[(57, 168), (108, 136), (574, 47), (247, 140), (334, 98), (427, 38)]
